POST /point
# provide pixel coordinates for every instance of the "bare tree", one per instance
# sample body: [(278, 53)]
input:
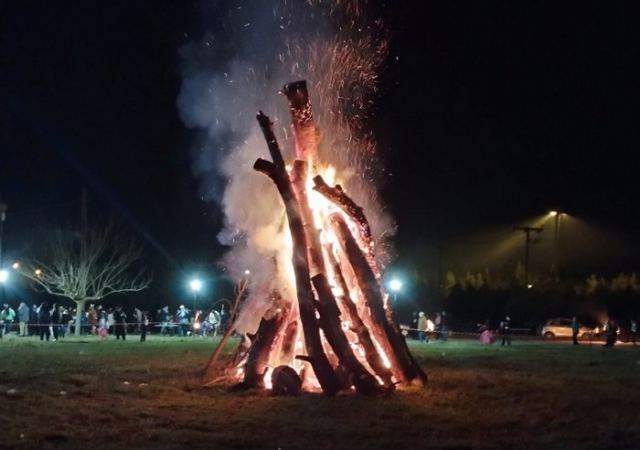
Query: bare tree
[(87, 266)]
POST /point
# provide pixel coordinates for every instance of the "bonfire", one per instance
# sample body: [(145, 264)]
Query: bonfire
[(332, 327)]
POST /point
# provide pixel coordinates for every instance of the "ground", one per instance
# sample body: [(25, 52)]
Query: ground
[(85, 393)]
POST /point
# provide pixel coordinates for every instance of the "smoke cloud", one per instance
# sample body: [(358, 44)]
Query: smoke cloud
[(249, 51)]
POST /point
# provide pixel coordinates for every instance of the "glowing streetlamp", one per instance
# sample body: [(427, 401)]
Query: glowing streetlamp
[(555, 267), (195, 284), (395, 285)]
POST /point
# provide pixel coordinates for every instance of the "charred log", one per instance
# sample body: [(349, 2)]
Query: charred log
[(304, 130), (364, 382), (278, 174), (258, 359), (328, 310), (404, 367), (339, 198), (360, 329)]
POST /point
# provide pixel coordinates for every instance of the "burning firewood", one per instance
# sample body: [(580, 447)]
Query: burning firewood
[(348, 335), (277, 172), (403, 366)]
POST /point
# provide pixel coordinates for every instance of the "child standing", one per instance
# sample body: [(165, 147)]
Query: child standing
[(103, 327)]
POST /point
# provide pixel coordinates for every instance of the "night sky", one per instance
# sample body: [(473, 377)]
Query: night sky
[(489, 112)]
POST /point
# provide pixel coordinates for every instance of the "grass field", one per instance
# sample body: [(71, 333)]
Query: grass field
[(114, 395)]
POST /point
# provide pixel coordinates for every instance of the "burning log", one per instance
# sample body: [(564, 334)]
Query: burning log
[(327, 307), (404, 367), (277, 172), (262, 343), (338, 197), (350, 337), (304, 129), (359, 328)]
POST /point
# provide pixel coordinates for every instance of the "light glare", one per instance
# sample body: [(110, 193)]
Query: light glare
[(395, 285), (195, 285)]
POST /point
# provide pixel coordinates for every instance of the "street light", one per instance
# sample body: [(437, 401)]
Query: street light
[(555, 267), (195, 285), (396, 286), (4, 275)]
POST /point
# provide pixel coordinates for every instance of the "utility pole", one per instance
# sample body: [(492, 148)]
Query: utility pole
[(3, 217), (527, 232), (555, 268), (83, 211), (439, 289)]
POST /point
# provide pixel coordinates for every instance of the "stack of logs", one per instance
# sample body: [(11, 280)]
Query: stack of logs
[(318, 307)]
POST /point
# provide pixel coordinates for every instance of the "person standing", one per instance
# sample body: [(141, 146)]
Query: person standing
[(183, 320), (55, 321), (7, 315), (611, 334), (44, 321), (23, 319), (438, 325), (120, 318), (444, 330), (575, 329), (633, 328), (33, 320), (92, 317), (505, 330), (144, 324), (103, 326), (422, 327)]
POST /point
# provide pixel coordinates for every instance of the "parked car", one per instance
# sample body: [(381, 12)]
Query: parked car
[(561, 328)]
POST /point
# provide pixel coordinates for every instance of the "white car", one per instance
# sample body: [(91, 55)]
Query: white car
[(561, 328)]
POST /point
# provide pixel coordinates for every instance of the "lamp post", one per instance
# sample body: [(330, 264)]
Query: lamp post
[(3, 217), (396, 286), (555, 268), (195, 285), (4, 275), (527, 232)]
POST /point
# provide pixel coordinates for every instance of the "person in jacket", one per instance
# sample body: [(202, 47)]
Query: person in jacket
[(120, 318), (575, 329), (23, 319), (505, 331), (183, 320), (144, 324), (611, 334), (422, 327), (7, 315), (44, 321)]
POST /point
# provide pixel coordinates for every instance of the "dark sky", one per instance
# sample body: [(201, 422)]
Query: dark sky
[(489, 112)]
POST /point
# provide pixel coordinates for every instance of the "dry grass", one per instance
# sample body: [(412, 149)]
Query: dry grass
[(115, 395)]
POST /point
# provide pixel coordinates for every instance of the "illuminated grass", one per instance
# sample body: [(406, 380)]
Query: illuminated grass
[(532, 395)]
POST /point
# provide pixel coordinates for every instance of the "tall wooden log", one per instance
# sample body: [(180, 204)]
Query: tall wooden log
[(277, 172), (330, 321), (339, 198), (358, 327), (328, 310), (305, 132), (404, 367)]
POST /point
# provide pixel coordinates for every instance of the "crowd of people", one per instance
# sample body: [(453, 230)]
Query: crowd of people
[(53, 322)]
